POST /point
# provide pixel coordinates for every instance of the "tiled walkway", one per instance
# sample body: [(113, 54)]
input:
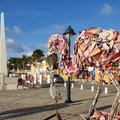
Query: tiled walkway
[(36, 104)]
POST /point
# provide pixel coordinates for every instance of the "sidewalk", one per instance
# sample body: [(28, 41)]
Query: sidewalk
[(36, 104)]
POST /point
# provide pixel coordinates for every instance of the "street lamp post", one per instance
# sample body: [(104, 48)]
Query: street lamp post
[(69, 34)]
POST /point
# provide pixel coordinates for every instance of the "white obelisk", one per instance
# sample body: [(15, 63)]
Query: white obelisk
[(3, 59)]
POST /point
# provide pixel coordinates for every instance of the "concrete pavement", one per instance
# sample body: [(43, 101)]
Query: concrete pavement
[(36, 104)]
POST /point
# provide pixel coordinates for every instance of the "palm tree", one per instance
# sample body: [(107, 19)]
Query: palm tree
[(29, 61), (52, 60), (12, 63), (37, 55), (24, 61), (19, 62)]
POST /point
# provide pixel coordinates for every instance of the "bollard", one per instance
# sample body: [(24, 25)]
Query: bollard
[(65, 84), (81, 87), (103, 83), (106, 90), (35, 79), (41, 79), (76, 80), (48, 79), (22, 76), (119, 101), (92, 88), (92, 82), (72, 85)]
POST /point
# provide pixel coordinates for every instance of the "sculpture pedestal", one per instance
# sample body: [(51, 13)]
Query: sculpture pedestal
[(2, 77)]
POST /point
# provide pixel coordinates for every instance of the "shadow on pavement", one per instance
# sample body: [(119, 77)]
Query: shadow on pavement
[(91, 98), (29, 111), (104, 107)]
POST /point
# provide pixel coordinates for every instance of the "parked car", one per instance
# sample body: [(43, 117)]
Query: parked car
[(58, 79), (104, 82), (15, 75)]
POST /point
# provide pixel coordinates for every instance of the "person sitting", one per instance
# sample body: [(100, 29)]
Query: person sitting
[(20, 82), (32, 81)]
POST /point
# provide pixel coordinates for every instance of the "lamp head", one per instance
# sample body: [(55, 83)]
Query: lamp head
[(69, 32)]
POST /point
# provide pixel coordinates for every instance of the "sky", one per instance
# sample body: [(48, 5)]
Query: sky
[(30, 23)]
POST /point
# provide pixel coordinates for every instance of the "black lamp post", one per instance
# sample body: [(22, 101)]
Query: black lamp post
[(69, 33)]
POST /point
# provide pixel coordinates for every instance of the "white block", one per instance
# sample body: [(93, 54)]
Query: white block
[(76, 80), (81, 87), (35, 79), (119, 101), (106, 90), (48, 79), (92, 82), (65, 84), (92, 88), (72, 85), (22, 76), (41, 79)]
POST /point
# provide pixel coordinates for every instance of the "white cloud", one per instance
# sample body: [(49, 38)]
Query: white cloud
[(58, 28), (27, 53), (14, 31), (44, 46), (16, 50), (43, 31), (32, 47), (29, 50), (13, 47), (107, 9), (7, 29)]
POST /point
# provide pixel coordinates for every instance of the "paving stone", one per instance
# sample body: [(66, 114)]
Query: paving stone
[(36, 104)]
